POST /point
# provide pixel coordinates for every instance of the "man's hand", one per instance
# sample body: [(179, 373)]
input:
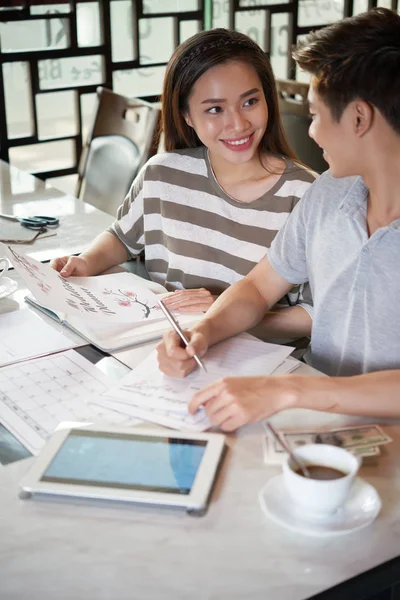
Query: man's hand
[(175, 361), (235, 401), (69, 266), (189, 301)]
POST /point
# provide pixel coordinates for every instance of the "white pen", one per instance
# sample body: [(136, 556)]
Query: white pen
[(179, 331)]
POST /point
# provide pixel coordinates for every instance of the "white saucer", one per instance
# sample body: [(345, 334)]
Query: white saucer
[(361, 509), (7, 286)]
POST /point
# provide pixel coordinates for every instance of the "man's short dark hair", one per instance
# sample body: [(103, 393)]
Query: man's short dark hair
[(357, 58)]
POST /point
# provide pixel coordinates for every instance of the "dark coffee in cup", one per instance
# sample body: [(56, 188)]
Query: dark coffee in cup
[(321, 472)]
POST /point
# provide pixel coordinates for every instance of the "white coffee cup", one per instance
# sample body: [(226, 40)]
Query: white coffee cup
[(318, 496), (3, 266)]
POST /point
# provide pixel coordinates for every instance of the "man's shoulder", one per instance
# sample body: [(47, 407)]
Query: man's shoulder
[(188, 160), (336, 187)]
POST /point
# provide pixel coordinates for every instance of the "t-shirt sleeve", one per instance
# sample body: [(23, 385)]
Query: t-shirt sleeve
[(287, 254), (128, 226)]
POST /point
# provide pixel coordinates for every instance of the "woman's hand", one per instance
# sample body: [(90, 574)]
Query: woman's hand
[(69, 266), (189, 301), (235, 401)]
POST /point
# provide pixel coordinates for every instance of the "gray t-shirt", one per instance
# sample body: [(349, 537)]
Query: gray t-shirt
[(354, 278)]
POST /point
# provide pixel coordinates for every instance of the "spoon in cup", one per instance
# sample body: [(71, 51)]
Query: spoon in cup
[(295, 460)]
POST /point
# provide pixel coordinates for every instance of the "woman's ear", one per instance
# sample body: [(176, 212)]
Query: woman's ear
[(188, 120)]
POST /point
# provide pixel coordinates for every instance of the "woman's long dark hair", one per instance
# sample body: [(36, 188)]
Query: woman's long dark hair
[(190, 61)]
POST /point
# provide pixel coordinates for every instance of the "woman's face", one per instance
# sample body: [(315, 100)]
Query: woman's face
[(228, 111)]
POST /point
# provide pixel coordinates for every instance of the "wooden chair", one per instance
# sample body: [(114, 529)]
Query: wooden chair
[(293, 106), (123, 136)]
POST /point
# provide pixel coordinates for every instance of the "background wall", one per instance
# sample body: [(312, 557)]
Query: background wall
[(54, 55)]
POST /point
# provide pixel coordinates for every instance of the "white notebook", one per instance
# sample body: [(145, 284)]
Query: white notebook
[(112, 312), (112, 337)]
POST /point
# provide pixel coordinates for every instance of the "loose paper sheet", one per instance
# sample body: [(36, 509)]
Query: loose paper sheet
[(25, 335), (149, 394)]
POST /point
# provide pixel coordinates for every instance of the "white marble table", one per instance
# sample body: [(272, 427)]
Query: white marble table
[(60, 550), (24, 195)]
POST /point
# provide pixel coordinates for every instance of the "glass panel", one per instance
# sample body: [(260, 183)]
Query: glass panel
[(220, 13), (139, 82), (17, 95), (385, 3), (160, 6), (66, 184), (45, 9), (40, 34), (187, 29), (280, 44), (360, 6), (156, 40), (70, 72), (56, 113), (88, 24), (302, 76), (88, 106), (49, 156), (319, 13), (250, 3), (252, 23), (121, 31)]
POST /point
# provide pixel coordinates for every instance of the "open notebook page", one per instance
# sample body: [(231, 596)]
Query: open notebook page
[(149, 394)]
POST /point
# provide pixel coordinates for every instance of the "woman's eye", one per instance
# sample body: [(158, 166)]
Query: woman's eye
[(251, 102), (214, 110)]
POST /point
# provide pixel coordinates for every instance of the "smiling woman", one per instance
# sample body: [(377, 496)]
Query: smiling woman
[(206, 211)]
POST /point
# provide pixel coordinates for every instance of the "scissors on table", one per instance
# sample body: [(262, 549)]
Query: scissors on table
[(37, 222)]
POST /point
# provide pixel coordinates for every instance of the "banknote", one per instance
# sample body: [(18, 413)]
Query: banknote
[(363, 440), (365, 436)]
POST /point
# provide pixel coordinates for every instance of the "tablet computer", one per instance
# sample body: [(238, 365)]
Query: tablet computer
[(148, 466)]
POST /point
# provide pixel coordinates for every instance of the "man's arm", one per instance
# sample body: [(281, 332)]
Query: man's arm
[(290, 322), (371, 395), (240, 307), (243, 304), (235, 401)]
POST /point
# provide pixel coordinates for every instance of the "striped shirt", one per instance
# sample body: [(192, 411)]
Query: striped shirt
[(193, 233)]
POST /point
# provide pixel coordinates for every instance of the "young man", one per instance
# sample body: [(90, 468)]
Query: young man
[(343, 237)]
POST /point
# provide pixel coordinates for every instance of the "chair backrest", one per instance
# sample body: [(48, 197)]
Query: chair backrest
[(293, 106), (123, 136)]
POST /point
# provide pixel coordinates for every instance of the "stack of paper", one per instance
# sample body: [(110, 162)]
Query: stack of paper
[(148, 394)]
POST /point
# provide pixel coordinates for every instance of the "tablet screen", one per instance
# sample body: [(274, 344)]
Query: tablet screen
[(127, 461)]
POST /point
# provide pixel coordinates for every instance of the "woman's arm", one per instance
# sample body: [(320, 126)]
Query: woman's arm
[(105, 252)]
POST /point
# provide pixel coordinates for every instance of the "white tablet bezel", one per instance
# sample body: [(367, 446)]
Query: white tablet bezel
[(196, 500)]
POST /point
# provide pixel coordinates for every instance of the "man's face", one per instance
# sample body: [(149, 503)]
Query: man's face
[(336, 139)]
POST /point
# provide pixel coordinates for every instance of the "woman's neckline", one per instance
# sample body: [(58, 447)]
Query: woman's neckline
[(232, 198)]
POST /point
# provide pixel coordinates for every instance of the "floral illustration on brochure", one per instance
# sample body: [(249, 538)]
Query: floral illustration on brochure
[(128, 298)]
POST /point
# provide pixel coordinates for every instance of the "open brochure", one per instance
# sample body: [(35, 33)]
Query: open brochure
[(110, 311)]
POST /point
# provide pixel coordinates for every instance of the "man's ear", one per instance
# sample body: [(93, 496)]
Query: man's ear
[(188, 120), (363, 117)]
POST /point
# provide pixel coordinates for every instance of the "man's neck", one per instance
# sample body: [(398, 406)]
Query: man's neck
[(383, 181)]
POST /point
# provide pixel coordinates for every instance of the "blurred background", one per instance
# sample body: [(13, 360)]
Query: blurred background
[(55, 54)]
